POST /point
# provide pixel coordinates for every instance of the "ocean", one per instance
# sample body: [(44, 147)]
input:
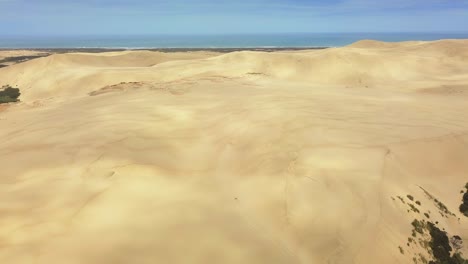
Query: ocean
[(297, 40)]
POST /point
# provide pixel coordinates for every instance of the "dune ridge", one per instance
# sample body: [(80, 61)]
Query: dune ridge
[(246, 157), (360, 64)]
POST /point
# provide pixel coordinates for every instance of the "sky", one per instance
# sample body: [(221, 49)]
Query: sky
[(124, 17)]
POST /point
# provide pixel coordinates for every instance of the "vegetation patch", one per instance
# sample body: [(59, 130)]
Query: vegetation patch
[(19, 59), (439, 244), (419, 226), (441, 249), (436, 243), (401, 199), (464, 205), (444, 211), (9, 94), (401, 250), (456, 242), (422, 259), (413, 208)]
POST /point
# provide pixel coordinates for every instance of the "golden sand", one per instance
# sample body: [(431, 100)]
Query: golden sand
[(247, 157)]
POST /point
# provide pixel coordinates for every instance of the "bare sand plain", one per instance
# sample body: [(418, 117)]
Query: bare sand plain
[(244, 157)]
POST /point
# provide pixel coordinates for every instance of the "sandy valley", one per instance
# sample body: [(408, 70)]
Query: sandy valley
[(320, 156)]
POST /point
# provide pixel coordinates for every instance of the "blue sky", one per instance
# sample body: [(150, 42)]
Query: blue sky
[(80, 17)]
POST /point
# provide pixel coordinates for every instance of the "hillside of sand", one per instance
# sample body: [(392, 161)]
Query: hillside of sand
[(321, 156)]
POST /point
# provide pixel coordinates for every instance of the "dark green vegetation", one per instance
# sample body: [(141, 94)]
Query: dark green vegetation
[(464, 205), (441, 249), (443, 210), (9, 94), (18, 59), (419, 239), (414, 209), (419, 226), (437, 244), (401, 199), (401, 250), (411, 206)]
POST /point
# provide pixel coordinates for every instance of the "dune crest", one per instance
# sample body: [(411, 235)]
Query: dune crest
[(341, 155), (411, 63)]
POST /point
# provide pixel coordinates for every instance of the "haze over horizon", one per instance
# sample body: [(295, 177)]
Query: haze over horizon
[(54, 17)]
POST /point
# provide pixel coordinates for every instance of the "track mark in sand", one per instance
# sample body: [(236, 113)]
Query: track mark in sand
[(387, 153), (454, 89), (285, 201), (97, 194), (265, 233), (310, 178), (290, 171), (255, 224), (86, 171), (429, 139), (87, 202), (337, 254)]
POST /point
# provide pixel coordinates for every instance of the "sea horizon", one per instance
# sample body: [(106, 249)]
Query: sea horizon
[(212, 41)]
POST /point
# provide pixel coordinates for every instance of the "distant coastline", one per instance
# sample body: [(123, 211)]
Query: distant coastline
[(44, 52), (212, 42), (221, 50)]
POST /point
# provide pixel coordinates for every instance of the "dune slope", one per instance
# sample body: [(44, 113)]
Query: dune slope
[(308, 157)]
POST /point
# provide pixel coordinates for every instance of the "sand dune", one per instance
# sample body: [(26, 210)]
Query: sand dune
[(412, 66), (125, 58), (246, 157)]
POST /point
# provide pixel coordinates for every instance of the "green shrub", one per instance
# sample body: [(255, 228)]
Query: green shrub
[(401, 250), (464, 205), (9, 94), (418, 226), (401, 199), (441, 249), (464, 209), (413, 208), (439, 244), (443, 210), (410, 197), (458, 259), (6, 99)]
